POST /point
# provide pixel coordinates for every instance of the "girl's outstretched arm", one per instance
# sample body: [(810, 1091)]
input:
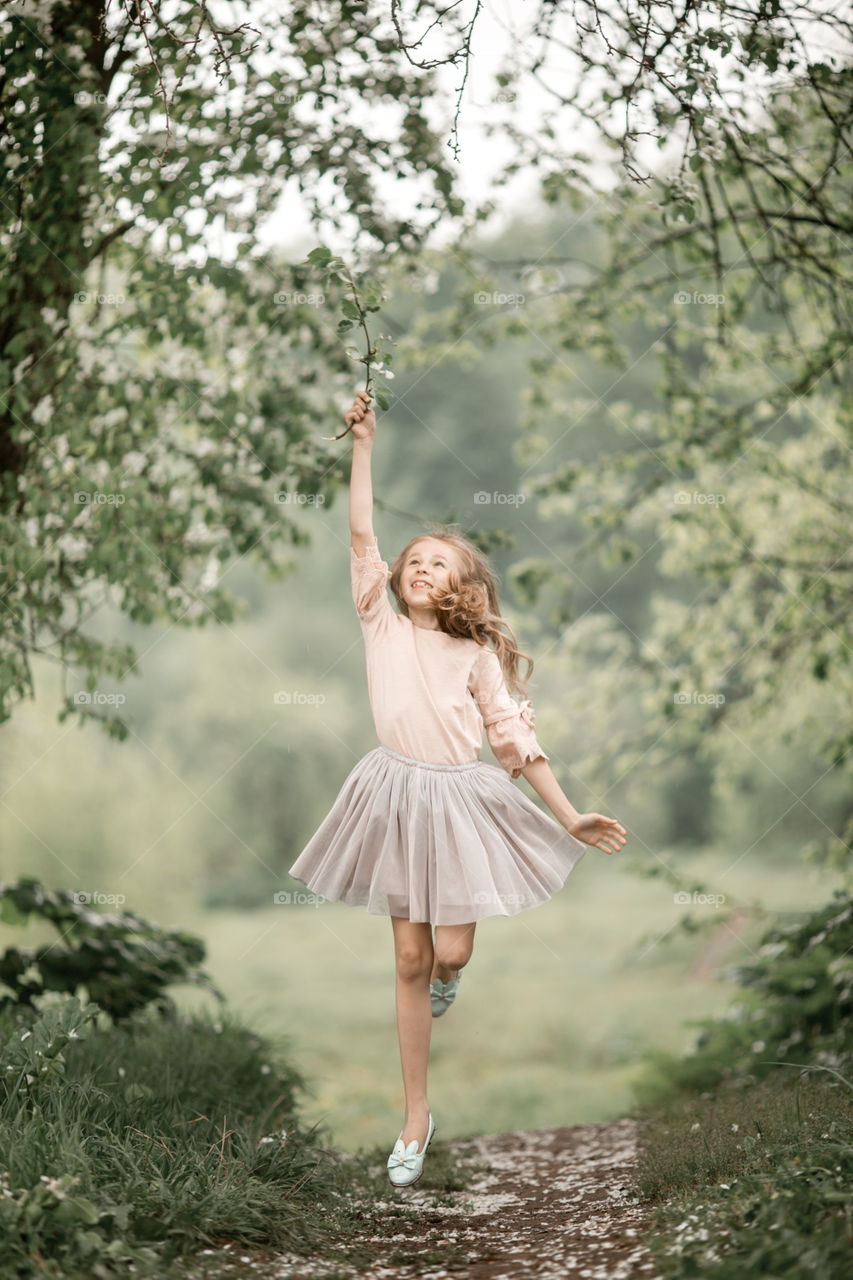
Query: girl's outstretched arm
[(591, 828), (363, 421)]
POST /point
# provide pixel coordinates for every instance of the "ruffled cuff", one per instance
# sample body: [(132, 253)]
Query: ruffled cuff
[(513, 740)]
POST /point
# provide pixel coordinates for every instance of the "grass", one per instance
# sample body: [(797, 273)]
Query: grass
[(752, 1181), (170, 1137)]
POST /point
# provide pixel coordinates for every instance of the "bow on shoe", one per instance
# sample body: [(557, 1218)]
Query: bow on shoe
[(403, 1157)]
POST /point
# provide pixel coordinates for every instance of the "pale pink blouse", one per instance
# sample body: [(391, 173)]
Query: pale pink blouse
[(432, 694)]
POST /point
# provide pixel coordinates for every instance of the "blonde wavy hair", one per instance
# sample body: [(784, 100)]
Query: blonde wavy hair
[(470, 608)]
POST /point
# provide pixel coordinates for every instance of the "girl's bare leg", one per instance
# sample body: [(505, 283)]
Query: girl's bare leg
[(414, 959), (453, 946)]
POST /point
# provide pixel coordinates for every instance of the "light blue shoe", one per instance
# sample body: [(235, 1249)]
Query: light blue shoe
[(406, 1163), (442, 994)]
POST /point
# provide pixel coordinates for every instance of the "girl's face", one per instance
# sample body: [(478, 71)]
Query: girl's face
[(427, 569)]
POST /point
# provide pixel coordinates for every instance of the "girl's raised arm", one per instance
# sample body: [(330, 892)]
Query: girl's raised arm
[(363, 421)]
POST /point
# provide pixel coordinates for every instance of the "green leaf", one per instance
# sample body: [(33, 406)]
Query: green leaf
[(10, 913), (319, 257)]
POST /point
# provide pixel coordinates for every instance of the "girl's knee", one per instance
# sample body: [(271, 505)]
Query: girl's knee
[(456, 954), (413, 963)]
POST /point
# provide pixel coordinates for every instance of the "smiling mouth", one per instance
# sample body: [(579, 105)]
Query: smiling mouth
[(421, 586)]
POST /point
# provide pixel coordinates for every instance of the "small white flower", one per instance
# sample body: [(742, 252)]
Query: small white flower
[(72, 548), (133, 462), (43, 410), (210, 578)]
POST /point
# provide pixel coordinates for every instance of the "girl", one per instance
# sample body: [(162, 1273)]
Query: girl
[(422, 830)]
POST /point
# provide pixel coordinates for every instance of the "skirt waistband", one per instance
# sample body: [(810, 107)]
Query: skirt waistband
[(472, 764)]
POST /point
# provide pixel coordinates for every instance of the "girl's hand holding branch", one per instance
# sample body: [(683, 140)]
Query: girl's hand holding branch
[(361, 418)]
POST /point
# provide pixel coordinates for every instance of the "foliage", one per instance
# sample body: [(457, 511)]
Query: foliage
[(34, 1055), (746, 1143), (751, 1181), (157, 1139), (795, 1007), (124, 963), (730, 471), (162, 375), (363, 297)]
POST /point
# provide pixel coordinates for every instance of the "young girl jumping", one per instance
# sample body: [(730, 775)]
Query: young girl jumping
[(422, 830)]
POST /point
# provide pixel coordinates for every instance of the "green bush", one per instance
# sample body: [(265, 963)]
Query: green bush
[(747, 1142), (123, 962), (795, 1007)]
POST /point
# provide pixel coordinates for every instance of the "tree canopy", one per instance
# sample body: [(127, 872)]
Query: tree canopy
[(164, 377)]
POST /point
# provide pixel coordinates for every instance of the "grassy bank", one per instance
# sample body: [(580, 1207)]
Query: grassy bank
[(746, 1148), (756, 1181), (163, 1139)]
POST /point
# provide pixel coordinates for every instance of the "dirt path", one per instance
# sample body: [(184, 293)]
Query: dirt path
[(549, 1203)]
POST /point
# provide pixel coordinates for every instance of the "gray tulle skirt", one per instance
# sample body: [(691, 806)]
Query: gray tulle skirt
[(447, 844)]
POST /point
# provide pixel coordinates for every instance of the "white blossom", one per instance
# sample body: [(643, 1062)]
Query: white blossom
[(210, 576), (43, 410), (133, 462), (72, 548)]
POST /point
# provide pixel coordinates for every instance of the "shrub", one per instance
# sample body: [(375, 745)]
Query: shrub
[(795, 1007), (123, 962)]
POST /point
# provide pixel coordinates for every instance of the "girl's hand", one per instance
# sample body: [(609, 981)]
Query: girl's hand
[(361, 417), (594, 828)]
